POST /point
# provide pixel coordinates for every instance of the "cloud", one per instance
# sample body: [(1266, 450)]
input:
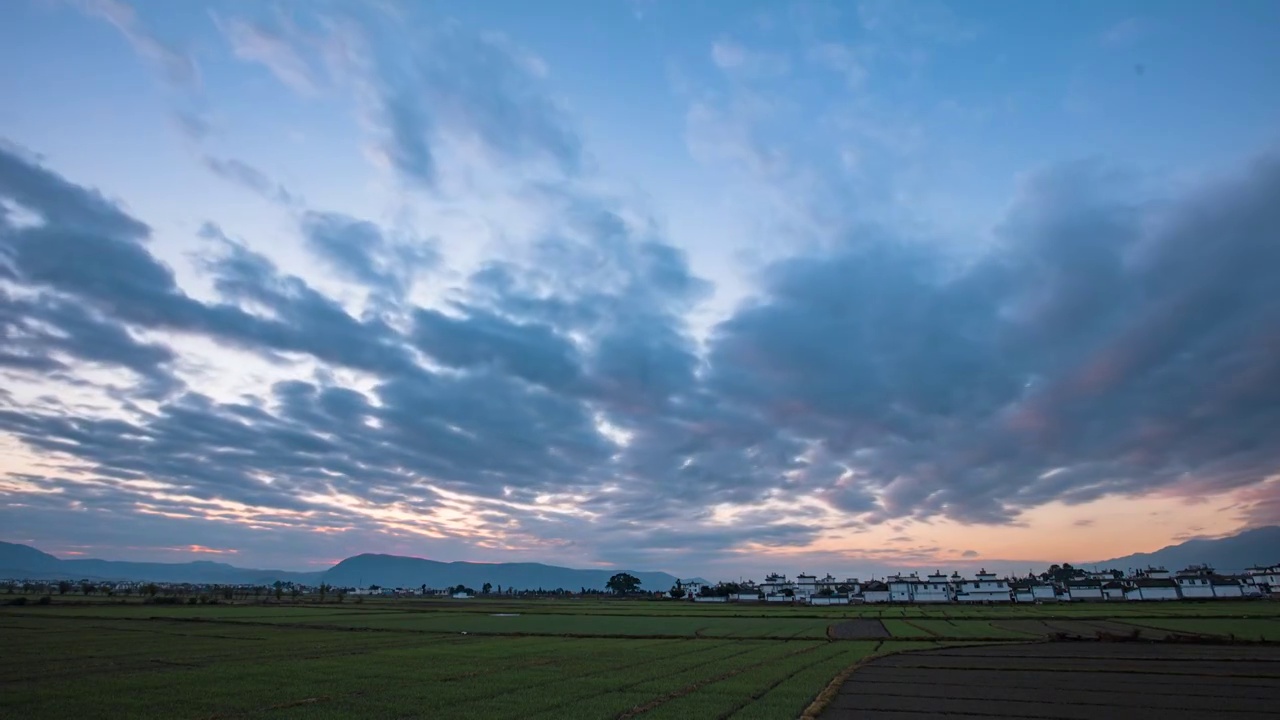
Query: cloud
[(969, 554), (360, 250), (177, 67), (731, 56), (1106, 343), (249, 177), (477, 96), (257, 42), (1096, 350)]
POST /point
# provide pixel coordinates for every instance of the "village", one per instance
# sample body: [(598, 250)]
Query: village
[(1060, 584)]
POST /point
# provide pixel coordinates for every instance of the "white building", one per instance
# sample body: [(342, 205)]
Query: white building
[(902, 587), (1152, 589), (1032, 590), (1084, 590), (1113, 590), (806, 585), (985, 587), (1265, 578), (774, 584), (745, 595), (1194, 583), (1225, 587), (829, 600), (875, 592), (934, 589)]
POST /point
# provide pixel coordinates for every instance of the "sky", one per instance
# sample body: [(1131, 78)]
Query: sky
[(706, 287)]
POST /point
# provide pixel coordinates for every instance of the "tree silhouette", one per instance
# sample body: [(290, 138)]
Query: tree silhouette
[(623, 583)]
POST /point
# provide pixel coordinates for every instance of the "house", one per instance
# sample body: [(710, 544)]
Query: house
[(711, 598), (875, 592), (746, 593), (1265, 578), (1155, 573), (934, 588), (1226, 587), (1032, 590), (985, 587), (1113, 590), (1146, 588), (829, 600), (806, 585), (1194, 582), (1084, 590), (461, 596), (902, 587), (775, 584)]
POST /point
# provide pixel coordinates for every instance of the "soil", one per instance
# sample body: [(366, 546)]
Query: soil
[(861, 629), (1067, 681)]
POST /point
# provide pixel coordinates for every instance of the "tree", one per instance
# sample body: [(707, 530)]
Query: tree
[(676, 591), (87, 588), (63, 587), (623, 583), (324, 590), (151, 589), (486, 588)]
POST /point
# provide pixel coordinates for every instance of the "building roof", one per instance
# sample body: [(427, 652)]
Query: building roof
[(1154, 583), (1084, 583)]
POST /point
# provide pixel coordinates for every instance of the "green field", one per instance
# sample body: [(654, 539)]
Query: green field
[(554, 659)]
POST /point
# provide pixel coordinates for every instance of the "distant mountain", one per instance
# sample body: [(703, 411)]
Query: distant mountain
[(397, 571), (28, 563), (23, 561), (1260, 546)]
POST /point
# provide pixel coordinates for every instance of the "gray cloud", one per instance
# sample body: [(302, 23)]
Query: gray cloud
[(360, 250), (1102, 346)]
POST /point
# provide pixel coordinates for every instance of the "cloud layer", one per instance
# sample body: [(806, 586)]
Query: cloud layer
[(1105, 344)]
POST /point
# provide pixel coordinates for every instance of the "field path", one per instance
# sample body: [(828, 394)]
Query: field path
[(1066, 681)]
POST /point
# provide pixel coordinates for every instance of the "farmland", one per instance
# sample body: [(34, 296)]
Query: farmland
[(509, 659)]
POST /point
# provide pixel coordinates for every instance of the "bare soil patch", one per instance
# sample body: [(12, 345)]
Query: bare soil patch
[(1066, 681), (861, 629)]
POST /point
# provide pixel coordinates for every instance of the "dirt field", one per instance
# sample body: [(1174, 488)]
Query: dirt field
[(864, 629), (1067, 681)]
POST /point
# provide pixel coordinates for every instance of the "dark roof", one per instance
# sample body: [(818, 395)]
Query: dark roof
[(1113, 585), (1154, 582), (874, 585), (1084, 583)]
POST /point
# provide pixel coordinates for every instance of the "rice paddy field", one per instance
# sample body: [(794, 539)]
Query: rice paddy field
[(520, 659)]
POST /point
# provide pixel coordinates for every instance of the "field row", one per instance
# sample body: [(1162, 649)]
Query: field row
[(577, 608), (1026, 627), (70, 667)]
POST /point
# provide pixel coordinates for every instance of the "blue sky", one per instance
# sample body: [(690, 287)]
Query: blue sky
[(667, 285)]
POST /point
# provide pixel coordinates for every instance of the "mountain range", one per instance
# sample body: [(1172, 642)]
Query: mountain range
[(28, 563), (1259, 546), (1233, 554)]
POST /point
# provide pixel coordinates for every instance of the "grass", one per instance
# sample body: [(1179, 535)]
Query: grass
[(556, 659), (1239, 628)]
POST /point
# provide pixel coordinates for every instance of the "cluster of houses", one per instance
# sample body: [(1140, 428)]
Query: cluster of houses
[(1194, 583)]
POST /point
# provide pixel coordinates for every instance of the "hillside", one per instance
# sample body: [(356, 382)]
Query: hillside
[(25, 562), (1260, 546), (396, 571)]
